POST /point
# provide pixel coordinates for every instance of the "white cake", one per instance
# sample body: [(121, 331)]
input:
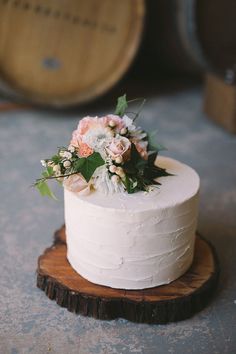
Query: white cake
[(135, 241)]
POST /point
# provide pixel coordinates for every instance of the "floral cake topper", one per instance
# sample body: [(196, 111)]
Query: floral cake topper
[(109, 154)]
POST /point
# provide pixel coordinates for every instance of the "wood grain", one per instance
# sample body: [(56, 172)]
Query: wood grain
[(64, 53), (173, 302)]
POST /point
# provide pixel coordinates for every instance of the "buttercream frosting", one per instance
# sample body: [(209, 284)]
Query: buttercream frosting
[(135, 241)]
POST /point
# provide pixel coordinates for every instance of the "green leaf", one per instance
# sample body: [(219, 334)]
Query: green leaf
[(121, 106), (79, 163), (153, 145), (48, 172), (152, 157), (44, 189), (89, 165), (135, 156), (152, 172), (128, 183), (56, 159)]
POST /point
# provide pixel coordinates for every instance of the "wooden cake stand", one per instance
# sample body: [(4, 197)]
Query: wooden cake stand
[(173, 302)]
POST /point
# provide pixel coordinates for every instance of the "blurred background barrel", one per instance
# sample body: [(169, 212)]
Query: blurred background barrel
[(191, 35), (62, 53)]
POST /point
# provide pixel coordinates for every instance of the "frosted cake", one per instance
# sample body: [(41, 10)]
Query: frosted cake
[(130, 214)]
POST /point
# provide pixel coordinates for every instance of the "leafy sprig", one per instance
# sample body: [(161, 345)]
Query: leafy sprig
[(86, 166), (141, 173)]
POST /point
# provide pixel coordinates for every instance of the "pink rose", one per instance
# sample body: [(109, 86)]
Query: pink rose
[(77, 183), (119, 146), (85, 124), (119, 122), (88, 123)]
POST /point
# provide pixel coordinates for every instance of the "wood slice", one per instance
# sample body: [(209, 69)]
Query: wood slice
[(173, 302), (61, 53)]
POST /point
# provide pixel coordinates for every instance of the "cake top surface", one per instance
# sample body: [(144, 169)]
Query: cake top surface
[(173, 190)]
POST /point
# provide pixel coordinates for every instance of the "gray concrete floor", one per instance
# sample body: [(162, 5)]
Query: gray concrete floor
[(29, 321)]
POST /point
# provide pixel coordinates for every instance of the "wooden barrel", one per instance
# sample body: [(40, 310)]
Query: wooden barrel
[(62, 53), (216, 23), (191, 35)]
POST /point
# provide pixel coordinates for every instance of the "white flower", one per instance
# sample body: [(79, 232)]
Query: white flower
[(134, 131), (43, 163), (128, 121), (104, 184), (98, 138), (66, 154), (71, 148)]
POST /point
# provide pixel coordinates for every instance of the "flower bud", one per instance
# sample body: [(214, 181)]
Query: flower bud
[(112, 169), (112, 124), (56, 168), (66, 164), (119, 159), (120, 172), (71, 148), (123, 131)]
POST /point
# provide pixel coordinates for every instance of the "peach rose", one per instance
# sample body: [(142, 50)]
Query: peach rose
[(83, 150), (119, 146), (77, 183)]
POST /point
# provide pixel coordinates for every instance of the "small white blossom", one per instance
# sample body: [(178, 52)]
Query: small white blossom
[(112, 169), (43, 163), (71, 148), (66, 154), (67, 164)]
